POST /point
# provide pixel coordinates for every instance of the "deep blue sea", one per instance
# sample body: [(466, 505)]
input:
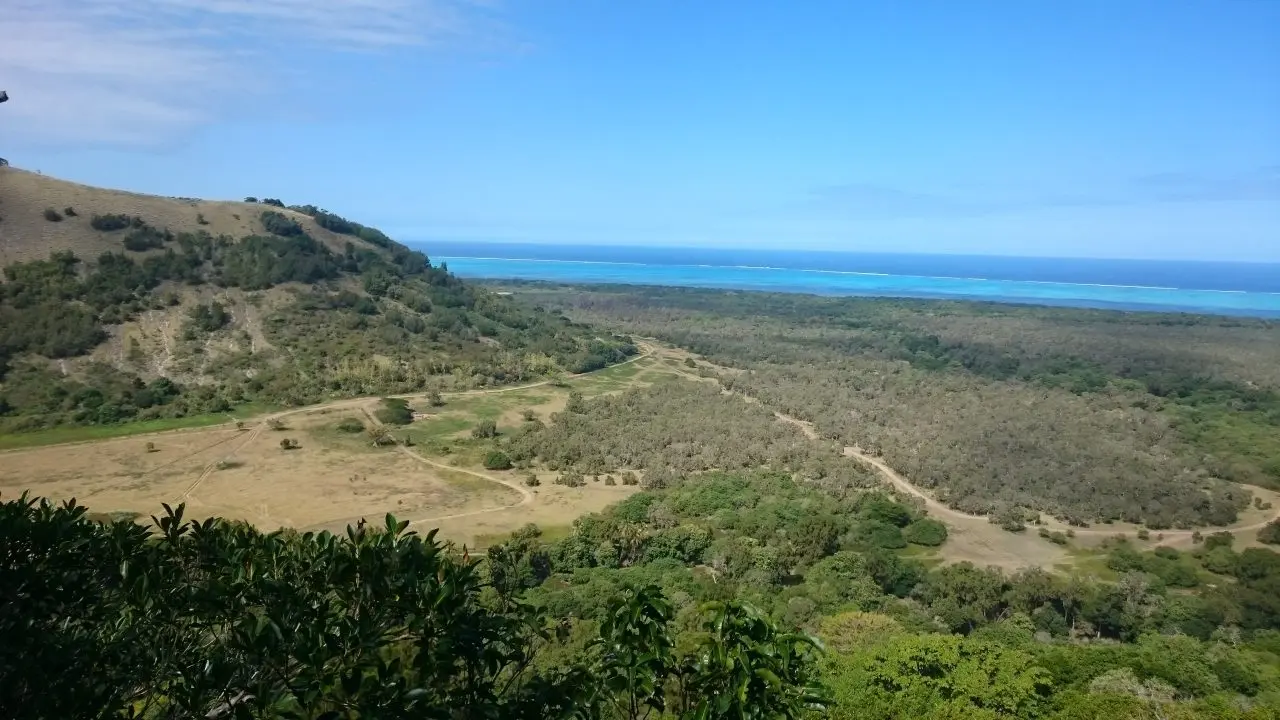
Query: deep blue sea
[(1228, 288)]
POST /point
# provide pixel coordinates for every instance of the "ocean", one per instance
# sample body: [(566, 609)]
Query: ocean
[(1227, 288)]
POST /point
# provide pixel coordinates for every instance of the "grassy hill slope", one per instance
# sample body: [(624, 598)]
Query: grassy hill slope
[(117, 306)]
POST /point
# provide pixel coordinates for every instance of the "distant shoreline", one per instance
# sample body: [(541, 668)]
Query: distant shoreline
[(1160, 286)]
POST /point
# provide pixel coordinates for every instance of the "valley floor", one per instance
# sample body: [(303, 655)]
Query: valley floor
[(336, 478)]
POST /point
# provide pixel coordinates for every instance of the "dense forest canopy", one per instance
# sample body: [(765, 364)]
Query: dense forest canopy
[(1088, 415), (729, 595)]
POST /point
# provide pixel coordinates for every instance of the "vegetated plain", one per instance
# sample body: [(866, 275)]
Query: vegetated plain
[(1089, 416), (769, 467)]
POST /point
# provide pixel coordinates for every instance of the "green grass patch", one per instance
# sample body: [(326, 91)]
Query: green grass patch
[(60, 435), (1087, 562), (424, 431)]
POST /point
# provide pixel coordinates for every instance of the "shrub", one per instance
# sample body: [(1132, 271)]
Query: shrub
[(200, 219), (151, 447), (532, 480), (275, 424), (571, 479), (1270, 533), (434, 399), (289, 444), (52, 215), (110, 223), (484, 430), (608, 480), (276, 202), (497, 460), (690, 363), (251, 199), (142, 239), (629, 478), (927, 532), (1144, 534), (529, 415), (350, 425), (279, 224), (394, 411), (69, 211)]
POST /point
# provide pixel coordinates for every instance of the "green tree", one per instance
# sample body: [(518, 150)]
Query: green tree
[(497, 460), (937, 676), (394, 411), (926, 531), (635, 653), (484, 430), (745, 667)]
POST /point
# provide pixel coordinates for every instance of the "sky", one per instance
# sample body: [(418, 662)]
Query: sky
[(1075, 128)]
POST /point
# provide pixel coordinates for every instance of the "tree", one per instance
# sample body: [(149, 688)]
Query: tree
[(151, 447), (926, 531), (746, 668), (635, 653), (938, 676), (394, 411), (289, 444), (216, 619), (52, 215), (434, 399), (484, 430), (497, 460)]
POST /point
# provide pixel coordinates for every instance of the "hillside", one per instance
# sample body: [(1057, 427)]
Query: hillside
[(117, 306)]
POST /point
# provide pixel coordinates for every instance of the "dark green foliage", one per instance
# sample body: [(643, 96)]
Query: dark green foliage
[(209, 317), (69, 211), (111, 223), (927, 532), (280, 224), (144, 238), (497, 460), (275, 202), (105, 619), (258, 262), (394, 411), (52, 215), (251, 199)]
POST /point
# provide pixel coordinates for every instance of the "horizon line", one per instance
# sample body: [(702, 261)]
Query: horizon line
[(686, 248)]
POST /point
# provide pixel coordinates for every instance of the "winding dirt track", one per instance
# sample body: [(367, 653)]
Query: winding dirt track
[(942, 511)]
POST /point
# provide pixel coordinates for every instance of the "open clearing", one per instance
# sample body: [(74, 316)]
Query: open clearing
[(335, 478)]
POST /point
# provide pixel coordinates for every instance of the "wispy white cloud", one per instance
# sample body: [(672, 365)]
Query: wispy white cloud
[(145, 71)]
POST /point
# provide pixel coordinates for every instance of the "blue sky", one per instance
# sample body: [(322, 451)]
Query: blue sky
[(1094, 128)]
